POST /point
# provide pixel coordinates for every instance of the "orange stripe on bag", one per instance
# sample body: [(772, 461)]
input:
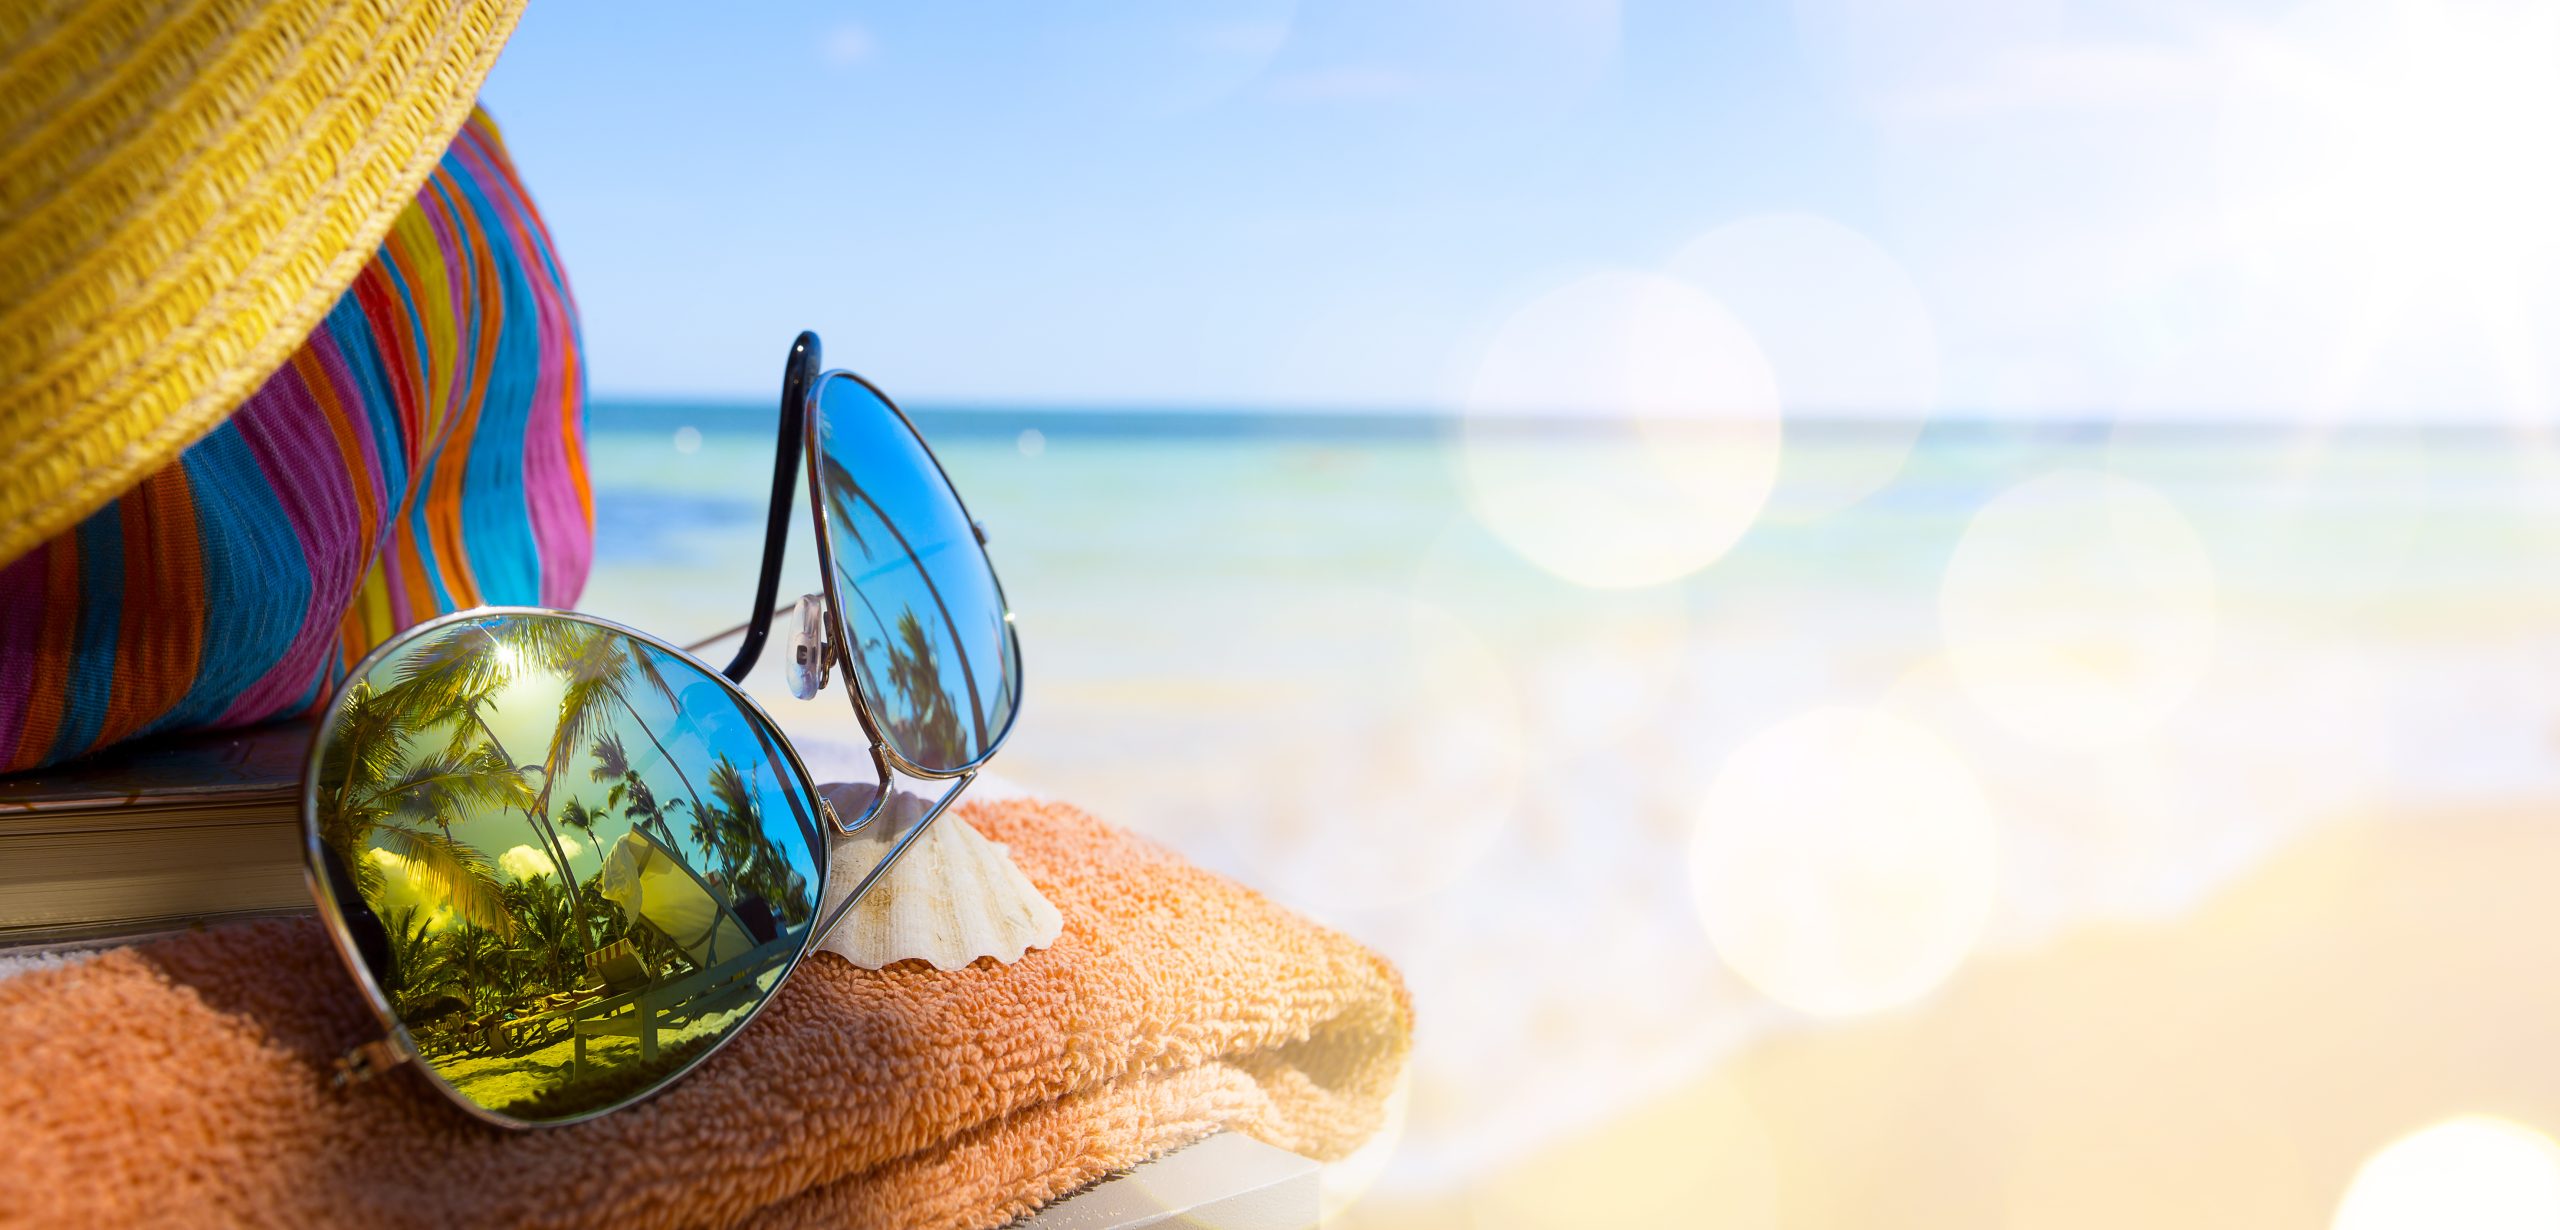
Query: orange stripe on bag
[(315, 377), (160, 639), (47, 690)]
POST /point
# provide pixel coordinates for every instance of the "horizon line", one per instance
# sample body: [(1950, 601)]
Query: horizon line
[(1382, 415)]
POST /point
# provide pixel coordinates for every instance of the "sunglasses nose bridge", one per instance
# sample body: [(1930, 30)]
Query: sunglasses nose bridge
[(366, 1062), (813, 651)]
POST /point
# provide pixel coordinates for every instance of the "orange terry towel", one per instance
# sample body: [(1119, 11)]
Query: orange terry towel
[(186, 1081)]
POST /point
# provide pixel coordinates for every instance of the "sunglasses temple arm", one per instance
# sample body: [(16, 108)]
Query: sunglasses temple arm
[(845, 906), (798, 372)]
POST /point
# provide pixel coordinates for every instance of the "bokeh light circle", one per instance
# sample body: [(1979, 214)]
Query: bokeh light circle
[(2079, 608), (2475, 1172), (1844, 862), (1621, 431), (1848, 338)]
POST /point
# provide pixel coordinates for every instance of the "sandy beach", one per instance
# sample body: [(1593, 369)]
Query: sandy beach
[(2234, 1068)]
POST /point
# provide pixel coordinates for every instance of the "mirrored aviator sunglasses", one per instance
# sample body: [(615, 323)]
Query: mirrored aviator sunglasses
[(567, 861)]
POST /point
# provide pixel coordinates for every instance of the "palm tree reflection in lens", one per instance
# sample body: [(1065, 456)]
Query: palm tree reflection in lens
[(533, 991), (378, 798), (926, 728)]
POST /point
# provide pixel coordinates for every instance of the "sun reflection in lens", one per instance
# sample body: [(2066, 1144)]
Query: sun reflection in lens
[(1844, 862), (2475, 1172), (1657, 433), (403, 891), (2079, 608)]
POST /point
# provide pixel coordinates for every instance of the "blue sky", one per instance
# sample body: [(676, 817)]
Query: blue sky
[(2132, 209)]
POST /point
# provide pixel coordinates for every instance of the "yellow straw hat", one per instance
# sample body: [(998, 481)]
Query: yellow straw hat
[(186, 187)]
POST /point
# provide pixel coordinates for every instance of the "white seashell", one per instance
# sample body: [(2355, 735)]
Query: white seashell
[(952, 898)]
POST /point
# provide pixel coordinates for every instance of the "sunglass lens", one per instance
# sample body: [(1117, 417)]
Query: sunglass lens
[(932, 642), (571, 863)]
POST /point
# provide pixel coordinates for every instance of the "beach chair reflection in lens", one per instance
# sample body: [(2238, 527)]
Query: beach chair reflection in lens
[(736, 946)]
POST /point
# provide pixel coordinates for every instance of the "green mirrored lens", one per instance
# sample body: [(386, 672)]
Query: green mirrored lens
[(572, 862)]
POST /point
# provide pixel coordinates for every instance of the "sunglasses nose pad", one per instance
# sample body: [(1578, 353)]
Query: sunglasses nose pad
[(811, 653)]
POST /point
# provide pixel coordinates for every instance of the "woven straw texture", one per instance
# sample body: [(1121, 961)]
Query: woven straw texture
[(422, 451), (186, 186)]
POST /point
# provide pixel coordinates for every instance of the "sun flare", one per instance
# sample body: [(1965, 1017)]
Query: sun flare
[(2418, 139), (2473, 1171)]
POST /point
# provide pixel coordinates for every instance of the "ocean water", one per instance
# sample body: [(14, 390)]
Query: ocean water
[(1316, 654)]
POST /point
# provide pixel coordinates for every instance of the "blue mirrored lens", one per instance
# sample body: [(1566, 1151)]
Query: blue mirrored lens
[(932, 641)]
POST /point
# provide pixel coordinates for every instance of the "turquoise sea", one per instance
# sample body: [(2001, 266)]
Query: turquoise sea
[(1311, 652)]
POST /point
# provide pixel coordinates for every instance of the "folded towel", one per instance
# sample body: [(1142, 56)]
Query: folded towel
[(186, 1080)]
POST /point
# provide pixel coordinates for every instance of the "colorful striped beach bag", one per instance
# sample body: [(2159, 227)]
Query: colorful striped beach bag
[(419, 453)]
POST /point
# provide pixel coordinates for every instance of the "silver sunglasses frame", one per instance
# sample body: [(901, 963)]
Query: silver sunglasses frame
[(841, 646), (396, 1048)]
